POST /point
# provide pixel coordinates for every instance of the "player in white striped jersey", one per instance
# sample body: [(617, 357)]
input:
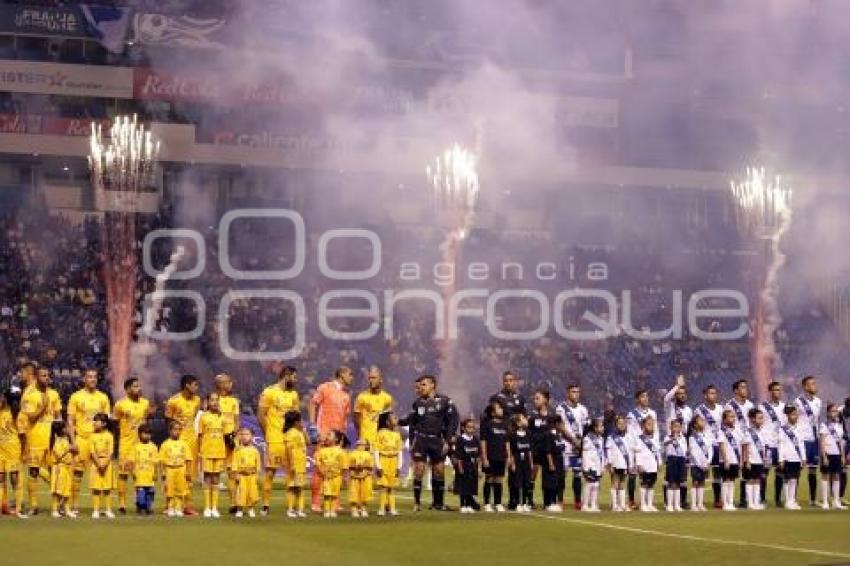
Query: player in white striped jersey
[(809, 406), (740, 404), (774, 412), (577, 419), (634, 425), (832, 451), (675, 405), (700, 450), (712, 412), (753, 454), (792, 456)]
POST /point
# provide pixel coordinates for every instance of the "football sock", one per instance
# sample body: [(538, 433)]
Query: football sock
[(417, 491), (576, 488), (488, 489), (76, 481), (122, 491), (268, 479), (632, 485), (497, 493), (813, 485)]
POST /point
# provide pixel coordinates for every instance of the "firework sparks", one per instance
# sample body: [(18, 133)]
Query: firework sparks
[(455, 178), (762, 206), (764, 211), (122, 164)]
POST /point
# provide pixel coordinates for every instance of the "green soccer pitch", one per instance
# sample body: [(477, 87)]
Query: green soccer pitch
[(774, 537)]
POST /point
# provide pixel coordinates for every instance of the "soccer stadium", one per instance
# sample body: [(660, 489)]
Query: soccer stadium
[(395, 281)]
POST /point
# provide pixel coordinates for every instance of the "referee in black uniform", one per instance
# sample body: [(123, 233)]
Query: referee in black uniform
[(433, 425)]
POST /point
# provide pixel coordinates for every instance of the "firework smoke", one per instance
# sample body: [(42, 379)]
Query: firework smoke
[(764, 211), (143, 349), (120, 169)]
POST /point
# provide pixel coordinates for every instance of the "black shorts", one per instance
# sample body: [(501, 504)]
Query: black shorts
[(648, 479), (715, 455), (730, 473), (496, 469), (676, 470), (754, 472), (619, 473), (833, 464), (427, 449), (698, 474), (591, 476), (791, 470), (538, 455)]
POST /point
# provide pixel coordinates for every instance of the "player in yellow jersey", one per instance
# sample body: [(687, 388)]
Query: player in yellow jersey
[(131, 413), (10, 451), (101, 474), (331, 462), (360, 465), (229, 405), (275, 401), (368, 406), (388, 461), (247, 465), (145, 464), (63, 460), (175, 457), (83, 405), (40, 406), (183, 408), (212, 452), (295, 441)]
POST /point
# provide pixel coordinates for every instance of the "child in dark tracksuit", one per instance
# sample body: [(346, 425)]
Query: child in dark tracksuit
[(553, 467), (466, 460), (520, 464)]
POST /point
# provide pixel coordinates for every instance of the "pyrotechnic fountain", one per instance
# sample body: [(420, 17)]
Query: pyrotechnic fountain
[(454, 179), (764, 212), (122, 164)]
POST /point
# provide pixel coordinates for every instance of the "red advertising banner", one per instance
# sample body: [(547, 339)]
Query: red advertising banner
[(47, 125), (149, 84)]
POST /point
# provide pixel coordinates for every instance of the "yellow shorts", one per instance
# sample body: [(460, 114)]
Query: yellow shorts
[(212, 465), (359, 491), (84, 448), (247, 491), (276, 455), (9, 462), (389, 471), (296, 479), (37, 457), (101, 482), (61, 480), (175, 482), (331, 487)]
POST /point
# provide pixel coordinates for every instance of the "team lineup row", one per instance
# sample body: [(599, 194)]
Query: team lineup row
[(717, 443)]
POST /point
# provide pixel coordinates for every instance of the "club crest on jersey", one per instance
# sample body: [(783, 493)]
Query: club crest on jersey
[(421, 410)]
